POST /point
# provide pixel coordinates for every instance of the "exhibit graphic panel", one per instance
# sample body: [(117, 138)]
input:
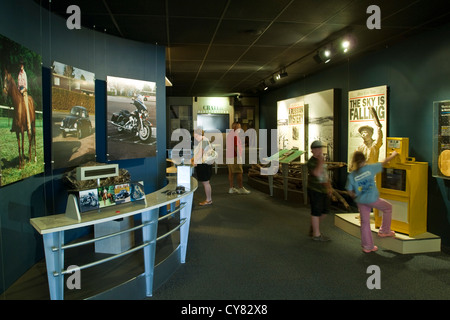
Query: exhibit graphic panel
[(320, 122), (131, 118), (301, 120), (367, 123), (441, 139), (73, 116), (21, 127), (291, 124)]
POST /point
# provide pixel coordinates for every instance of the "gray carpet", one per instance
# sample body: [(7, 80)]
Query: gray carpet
[(257, 247)]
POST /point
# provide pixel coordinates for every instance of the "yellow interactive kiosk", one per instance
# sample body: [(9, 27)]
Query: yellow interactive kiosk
[(404, 183)]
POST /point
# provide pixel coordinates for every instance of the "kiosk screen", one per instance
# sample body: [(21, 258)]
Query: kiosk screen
[(393, 179)]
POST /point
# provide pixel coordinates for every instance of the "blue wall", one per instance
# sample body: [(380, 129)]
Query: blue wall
[(37, 29), (416, 72)]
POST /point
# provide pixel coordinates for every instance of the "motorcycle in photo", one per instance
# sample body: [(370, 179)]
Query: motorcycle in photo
[(136, 122)]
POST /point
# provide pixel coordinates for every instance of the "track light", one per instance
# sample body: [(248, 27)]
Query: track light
[(340, 45), (324, 55), (345, 46), (281, 74), (263, 86)]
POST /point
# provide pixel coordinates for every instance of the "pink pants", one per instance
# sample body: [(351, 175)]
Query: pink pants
[(364, 211)]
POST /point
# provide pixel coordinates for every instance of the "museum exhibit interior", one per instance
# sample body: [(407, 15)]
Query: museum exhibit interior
[(100, 99)]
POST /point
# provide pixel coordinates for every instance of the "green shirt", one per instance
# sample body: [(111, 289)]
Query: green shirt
[(316, 183)]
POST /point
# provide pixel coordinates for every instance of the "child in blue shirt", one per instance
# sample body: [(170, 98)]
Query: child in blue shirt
[(361, 186)]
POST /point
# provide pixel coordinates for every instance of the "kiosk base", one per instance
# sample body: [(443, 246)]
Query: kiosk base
[(403, 244)]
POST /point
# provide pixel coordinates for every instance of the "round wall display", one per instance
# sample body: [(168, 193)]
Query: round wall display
[(444, 162)]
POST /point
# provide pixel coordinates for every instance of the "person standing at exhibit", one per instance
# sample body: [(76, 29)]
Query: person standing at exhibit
[(203, 169), (22, 83), (361, 186), (319, 190), (234, 154)]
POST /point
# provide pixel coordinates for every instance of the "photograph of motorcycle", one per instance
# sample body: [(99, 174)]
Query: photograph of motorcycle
[(135, 123)]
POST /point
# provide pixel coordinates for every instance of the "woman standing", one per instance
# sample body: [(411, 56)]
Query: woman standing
[(204, 170), (361, 186)]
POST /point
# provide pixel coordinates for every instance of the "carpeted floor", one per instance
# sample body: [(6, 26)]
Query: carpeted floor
[(257, 247)]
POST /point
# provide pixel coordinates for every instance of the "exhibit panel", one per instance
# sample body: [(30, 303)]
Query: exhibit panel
[(73, 116), (441, 139), (21, 112), (367, 123), (302, 120)]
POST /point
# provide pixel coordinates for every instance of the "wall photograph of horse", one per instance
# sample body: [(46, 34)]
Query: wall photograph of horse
[(21, 130)]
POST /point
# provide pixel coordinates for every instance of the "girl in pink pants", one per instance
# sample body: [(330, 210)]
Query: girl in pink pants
[(385, 229), (361, 186)]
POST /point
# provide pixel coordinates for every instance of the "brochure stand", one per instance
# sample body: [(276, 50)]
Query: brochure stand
[(72, 210)]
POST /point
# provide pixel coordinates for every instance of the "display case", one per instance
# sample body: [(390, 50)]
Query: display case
[(441, 139), (404, 183)]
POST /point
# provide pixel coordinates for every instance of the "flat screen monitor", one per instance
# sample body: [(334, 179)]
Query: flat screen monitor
[(213, 122), (394, 179)]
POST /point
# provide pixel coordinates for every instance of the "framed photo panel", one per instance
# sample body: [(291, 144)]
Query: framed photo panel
[(21, 126), (73, 116), (131, 118), (367, 123)]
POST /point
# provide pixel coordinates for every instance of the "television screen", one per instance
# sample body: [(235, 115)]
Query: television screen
[(213, 122)]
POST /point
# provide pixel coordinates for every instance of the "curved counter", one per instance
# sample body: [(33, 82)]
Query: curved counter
[(52, 229)]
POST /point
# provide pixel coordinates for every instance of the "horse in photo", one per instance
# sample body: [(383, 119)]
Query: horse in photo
[(19, 125)]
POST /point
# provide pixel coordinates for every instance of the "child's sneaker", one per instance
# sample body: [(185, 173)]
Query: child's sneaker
[(232, 190), (243, 191)]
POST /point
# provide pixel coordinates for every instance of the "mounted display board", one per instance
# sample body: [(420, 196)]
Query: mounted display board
[(301, 120), (21, 146), (73, 116), (367, 123), (131, 118), (441, 140)]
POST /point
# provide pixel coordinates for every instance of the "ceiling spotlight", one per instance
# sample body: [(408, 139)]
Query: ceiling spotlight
[(282, 74), (263, 86), (345, 45)]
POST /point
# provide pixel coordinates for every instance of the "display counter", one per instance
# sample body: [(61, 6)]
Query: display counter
[(52, 229)]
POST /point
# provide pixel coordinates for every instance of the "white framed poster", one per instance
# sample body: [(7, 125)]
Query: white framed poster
[(367, 123), (301, 120), (291, 124)]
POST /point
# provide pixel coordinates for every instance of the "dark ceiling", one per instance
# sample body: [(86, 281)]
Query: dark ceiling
[(225, 47)]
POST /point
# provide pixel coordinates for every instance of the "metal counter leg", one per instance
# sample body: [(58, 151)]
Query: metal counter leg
[(54, 259), (184, 230), (149, 235)]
